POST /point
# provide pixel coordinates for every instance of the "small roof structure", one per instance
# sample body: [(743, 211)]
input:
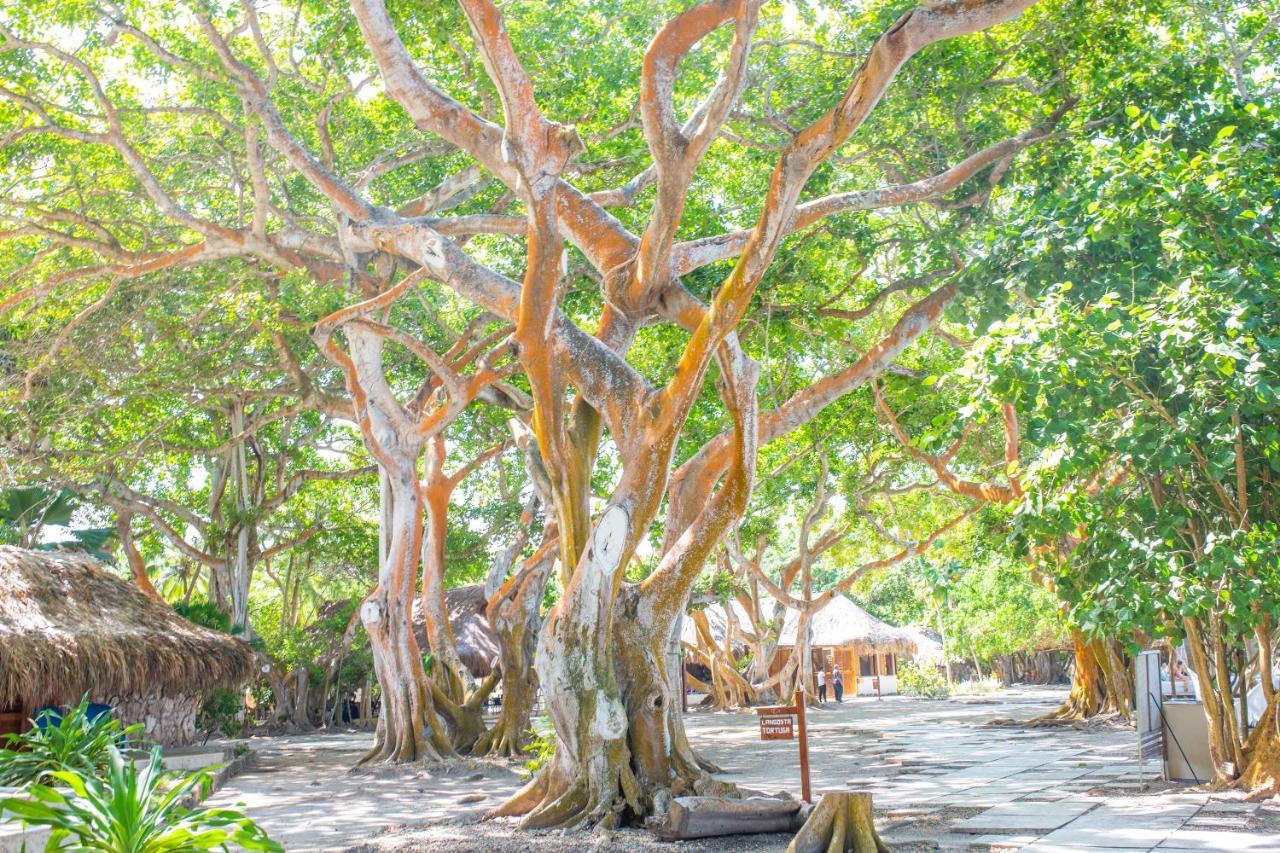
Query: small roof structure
[(473, 635), (928, 645), (843, 624), (70, 627)]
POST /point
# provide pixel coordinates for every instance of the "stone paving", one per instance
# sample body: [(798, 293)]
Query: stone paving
[(941, 777), (941, 780)]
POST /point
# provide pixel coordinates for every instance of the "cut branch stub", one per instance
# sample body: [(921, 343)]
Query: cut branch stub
[(842, 822)]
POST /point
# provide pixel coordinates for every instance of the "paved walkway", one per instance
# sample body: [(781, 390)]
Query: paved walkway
[(304, 793), (941, 780), (940, 776)]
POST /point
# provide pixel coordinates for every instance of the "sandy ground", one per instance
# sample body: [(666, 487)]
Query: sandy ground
[(941, 777)]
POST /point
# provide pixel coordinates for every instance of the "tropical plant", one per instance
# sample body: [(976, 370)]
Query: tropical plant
[(26, 512), (221, 712), (204, 613), (130, 810), (78, 743), (541, 747), (923, 681)]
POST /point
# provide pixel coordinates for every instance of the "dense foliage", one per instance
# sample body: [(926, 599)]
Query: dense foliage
[(132, 808), (75, 741), (290, 329)]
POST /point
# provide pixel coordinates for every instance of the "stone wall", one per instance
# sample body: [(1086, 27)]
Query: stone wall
[(169, 720)]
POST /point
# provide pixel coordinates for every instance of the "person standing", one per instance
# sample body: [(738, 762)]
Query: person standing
[(822, 685), (837, 682)]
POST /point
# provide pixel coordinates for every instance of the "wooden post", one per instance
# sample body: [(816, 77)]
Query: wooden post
[(805, 793)]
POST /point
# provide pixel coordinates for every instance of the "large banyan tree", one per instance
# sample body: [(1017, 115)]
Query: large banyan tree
[(580, 180)]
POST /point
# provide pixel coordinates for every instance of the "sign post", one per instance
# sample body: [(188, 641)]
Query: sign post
[(776, 724), (804, 748)]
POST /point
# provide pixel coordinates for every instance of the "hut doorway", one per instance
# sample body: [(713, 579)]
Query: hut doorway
[(13, 719)]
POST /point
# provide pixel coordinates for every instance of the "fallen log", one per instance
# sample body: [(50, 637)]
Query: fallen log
[(841, 822), (707, 817)]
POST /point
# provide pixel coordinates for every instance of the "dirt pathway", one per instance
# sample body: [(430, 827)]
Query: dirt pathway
[(303, 793)]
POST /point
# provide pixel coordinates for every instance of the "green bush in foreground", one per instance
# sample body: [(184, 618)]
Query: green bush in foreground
[(77, 743), (541, 748), (925, 681), (127, 811)]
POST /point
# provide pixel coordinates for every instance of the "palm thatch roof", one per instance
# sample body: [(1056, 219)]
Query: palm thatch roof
[(716, 621), (928, 645), (843, 624), (474, 637), (69, 627)]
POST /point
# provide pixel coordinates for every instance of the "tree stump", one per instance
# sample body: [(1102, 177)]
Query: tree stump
[(842, 822)]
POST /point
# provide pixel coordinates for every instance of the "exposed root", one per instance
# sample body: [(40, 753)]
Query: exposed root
[(500, 742), (705, 765), (1100, 685), (1261, 776), (1051, 721), (568, 810), (523, 801)]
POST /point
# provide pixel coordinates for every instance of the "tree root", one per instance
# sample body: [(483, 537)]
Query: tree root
[(500, 742), (1051, 721), (523, 801), (842, 822), (1261, 774)]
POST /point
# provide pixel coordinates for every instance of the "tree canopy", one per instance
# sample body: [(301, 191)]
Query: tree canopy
[(329, 308)]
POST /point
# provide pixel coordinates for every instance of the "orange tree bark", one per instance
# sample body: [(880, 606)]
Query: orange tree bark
[(607, 678), (515, 613), (408, 728)]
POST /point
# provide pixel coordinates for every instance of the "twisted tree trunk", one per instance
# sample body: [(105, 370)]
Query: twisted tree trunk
[(408, 729), (575, 667), (1093, 691), (1261, 776), (449, 675), (515, 614)]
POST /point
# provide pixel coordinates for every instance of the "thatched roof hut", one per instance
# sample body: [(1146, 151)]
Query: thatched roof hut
[(928, 645), (474, 637), (476, 641), (68, 628), (843, 624)]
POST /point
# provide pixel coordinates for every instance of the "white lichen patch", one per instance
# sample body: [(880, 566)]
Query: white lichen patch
[(611, 719)]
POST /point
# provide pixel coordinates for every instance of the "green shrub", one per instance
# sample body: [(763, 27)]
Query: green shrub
[(541, 748), (127, 810), (221, 712), (204, 613), (76, 744), (925, 681)]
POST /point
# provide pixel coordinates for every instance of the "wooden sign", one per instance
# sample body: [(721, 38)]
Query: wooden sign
[(776, 727), (776, 724)]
